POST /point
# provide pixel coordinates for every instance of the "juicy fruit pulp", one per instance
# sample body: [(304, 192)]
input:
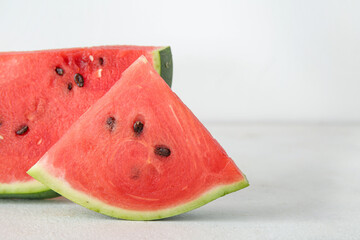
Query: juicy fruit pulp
[(139, 153), (43, 92)]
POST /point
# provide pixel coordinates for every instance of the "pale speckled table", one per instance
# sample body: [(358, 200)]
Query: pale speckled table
[(305, 184)]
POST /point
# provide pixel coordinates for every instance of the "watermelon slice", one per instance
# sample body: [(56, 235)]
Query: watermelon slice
[(43, 92), (139, 153)]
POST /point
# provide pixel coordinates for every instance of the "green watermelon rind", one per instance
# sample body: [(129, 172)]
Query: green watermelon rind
[(38, 195), (34, 190), (41, 173), (163, 64)]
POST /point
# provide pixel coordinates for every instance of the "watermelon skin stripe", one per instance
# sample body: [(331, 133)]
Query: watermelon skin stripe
[(163, 64), (166, 66), (40, 173)]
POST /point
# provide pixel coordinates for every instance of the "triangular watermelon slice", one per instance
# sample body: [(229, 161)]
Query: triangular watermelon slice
[(43, 92), (139, 153)]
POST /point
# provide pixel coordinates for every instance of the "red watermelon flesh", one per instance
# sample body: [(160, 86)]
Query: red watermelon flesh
[(139, 153), (43, 92)]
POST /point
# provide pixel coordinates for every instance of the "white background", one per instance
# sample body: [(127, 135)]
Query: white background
[(293, 62), (233, 60)]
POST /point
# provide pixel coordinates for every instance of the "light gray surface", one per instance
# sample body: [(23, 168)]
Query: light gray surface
[(304, 184)]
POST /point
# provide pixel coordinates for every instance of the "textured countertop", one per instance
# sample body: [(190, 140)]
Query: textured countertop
[(304, 184)]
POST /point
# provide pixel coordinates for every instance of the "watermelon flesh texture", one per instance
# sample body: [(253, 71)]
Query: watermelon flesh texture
[(43, 92), (169, 165)]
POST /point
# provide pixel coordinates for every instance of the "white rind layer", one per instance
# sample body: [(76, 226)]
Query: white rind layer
[(27, 187)]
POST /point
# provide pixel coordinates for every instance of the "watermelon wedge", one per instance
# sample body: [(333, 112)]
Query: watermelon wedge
[(43, 92), (139, 153)]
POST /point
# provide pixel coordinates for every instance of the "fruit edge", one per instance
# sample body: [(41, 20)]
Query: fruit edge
[(163, 64), (162, 60), (31, 190), (37, 195), (64, 188)]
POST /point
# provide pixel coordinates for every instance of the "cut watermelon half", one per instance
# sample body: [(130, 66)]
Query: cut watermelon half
[(139, 153), (43, 92)]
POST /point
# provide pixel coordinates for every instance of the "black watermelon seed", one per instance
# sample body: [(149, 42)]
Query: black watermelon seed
[(101, 61), (22, 130), (0, 122), (70, 86), (79, 80), (162, 151), (59, 71), (110, 122), (138, 127)]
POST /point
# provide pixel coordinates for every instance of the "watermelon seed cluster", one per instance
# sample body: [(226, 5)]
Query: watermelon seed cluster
[(78, 78), (160, 150)]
